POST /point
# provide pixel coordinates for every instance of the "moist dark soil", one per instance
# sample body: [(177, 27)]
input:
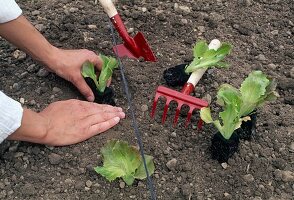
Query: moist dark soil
[(106, 97), (247, 129), (261, 32), (176, 76), (222, 149)]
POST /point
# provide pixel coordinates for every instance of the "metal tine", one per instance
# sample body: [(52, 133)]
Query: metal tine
[(199, 124), (189, 115), (154, 104), (168, 100), (180, 104)]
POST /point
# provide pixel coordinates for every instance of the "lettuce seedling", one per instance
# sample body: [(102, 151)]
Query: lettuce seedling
[(229, 98), (122, 160), (205, 58), (256, 89), (109, 64)]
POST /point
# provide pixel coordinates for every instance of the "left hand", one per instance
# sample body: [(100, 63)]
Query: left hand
[(68, 63)]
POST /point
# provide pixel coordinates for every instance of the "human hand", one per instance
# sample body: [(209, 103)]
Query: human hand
[(67, 122), (68, 63)]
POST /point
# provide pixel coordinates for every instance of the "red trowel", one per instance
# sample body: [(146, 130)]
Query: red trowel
[(132, 47)]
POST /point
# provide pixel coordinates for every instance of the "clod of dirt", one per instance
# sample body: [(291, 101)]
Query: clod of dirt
[(222, 149), (176, 76), (247, 129), (103, 98)]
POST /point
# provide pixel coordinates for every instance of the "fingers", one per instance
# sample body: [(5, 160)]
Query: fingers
[(94, 108), (102, 117), (82, 86), (96, 60), (103, 126)]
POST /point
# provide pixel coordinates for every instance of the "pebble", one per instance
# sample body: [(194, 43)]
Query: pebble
[(224, 165), (122, 185), (131, 30), (42, 72), (287, 176), (201, 29), (23, 75), (89, 183), (56, 90), (275, 32), (16, 86), (171, 165), (36, 12), (261, 57), (144, 108), (72, 10), (32, 102), (22, 100), (174, 134), (144, 9), (33, 68), (184, 21), (227, 195), (40, 27), (20, 55), (55, 159), (185, 9), (92, 26), (248, 178), (272, 66)]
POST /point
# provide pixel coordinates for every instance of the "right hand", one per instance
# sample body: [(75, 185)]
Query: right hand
[(67, 122)]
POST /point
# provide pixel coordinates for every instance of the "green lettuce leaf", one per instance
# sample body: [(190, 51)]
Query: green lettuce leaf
[(205, 57), (123, 161), (109, 64), (229, 98), (255, 90)]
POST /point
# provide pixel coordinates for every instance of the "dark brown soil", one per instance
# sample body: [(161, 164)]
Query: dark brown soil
[(261, 32)]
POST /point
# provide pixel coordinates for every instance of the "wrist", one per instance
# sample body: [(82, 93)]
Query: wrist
[(33, 128)]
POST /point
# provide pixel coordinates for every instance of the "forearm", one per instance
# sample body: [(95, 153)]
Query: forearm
[(25, 36), (32, 129)]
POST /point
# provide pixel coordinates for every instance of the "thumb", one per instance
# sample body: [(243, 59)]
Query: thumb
[(83, 87), (97, 61)]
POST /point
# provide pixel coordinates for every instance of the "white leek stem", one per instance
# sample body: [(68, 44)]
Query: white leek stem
[(196, 75)]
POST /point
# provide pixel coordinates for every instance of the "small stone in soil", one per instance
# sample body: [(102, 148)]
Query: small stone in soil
[(224, 165), (144, 108), (248, 178), (42, 72), (171, 165), (122, 185), (54, 159)]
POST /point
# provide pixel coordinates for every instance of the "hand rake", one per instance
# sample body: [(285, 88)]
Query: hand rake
[(183, 97), (132, 47)]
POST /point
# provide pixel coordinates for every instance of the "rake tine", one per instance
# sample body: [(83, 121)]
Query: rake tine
[(177, 113), (199, 125), (154, 105), (168, 100), (189, 116)]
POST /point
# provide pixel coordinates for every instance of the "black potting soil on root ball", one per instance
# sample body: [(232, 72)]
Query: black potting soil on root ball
[(176, 76), (222, 149), (247, 129), (102, 98)]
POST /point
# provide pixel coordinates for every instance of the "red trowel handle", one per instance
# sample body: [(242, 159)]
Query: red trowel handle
[(119, 25)]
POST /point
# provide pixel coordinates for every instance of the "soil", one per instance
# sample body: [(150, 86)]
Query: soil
[(247, 129), (176, 76), (106, 97), (222, 149), (261, 32)]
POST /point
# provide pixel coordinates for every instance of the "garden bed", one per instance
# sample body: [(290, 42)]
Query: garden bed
[(262, 36)]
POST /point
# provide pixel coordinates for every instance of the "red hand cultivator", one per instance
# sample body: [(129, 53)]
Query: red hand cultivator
[(183, 97), (133, 47)]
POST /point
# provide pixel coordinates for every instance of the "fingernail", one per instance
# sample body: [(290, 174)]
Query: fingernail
[(122, 114), (90, 98), (120, 109), (116, 119)]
